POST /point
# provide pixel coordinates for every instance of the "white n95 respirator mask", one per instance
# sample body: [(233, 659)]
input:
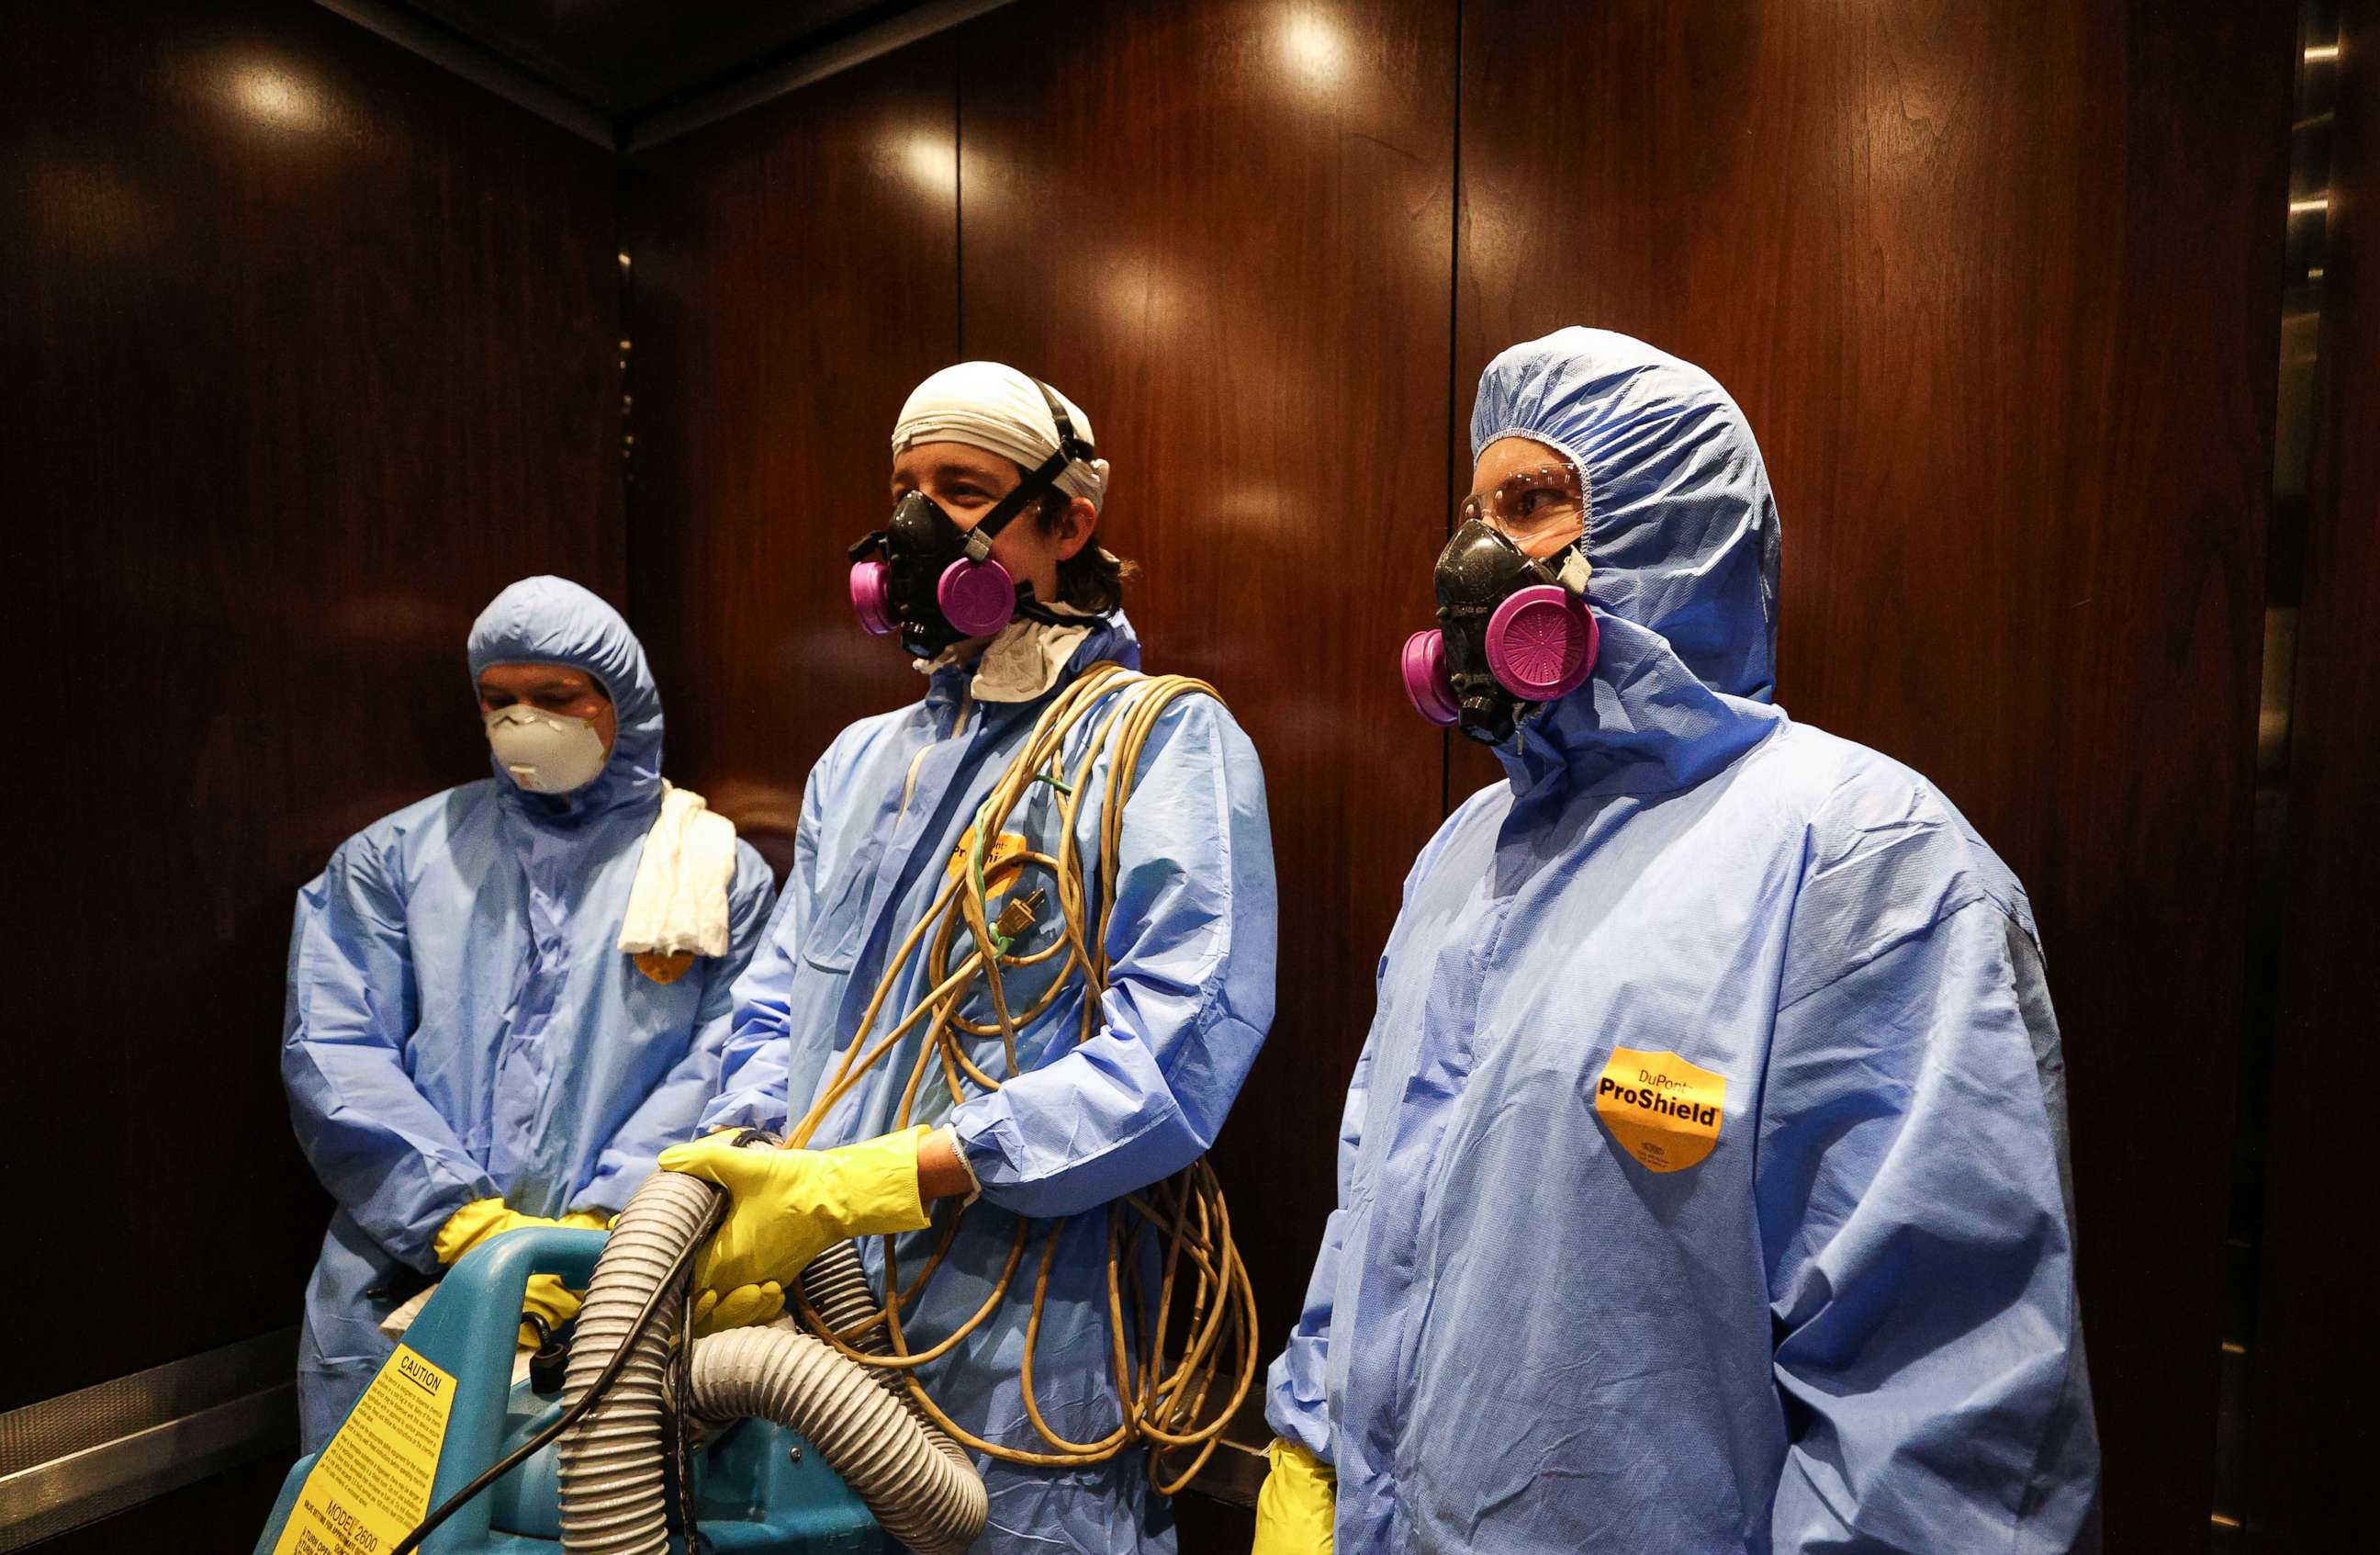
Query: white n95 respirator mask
[(545, 752)]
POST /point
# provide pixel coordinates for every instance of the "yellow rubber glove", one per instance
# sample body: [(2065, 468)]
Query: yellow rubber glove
[(745, 1306), (477, 1221), (1299, 1503), (547, 1296), (790, 1205)]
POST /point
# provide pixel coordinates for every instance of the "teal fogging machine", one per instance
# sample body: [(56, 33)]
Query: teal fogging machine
[(640, 1441)]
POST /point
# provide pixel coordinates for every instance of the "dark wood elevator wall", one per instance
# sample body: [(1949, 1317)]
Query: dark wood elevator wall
[(1998, 288), (1998, 285), (311, 349), (794, 275), (1227, 228), (2312, 1350)]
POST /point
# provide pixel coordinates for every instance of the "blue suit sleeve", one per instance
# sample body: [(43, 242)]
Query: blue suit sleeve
[(755, 1063), (1296, 1391), (1189, 996), (668, 1115), (386, 1155), (1921, 1252)]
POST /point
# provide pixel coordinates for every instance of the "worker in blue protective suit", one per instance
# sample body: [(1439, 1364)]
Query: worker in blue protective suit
[(504, 999), (1702, 1180), (1189, 997)]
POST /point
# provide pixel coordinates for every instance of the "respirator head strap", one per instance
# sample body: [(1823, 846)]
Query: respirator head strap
[(1037, 481), (1074, 447), (1034, 609)]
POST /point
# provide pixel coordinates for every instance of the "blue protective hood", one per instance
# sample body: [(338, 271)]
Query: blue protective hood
[(1683, 533), (554, 620)]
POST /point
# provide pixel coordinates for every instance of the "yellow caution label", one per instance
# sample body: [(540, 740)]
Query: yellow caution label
[(370, 1487), (1664, 1112)]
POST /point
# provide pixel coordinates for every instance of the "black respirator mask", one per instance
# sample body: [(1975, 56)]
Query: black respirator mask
[(936, 583), (1514, 631)]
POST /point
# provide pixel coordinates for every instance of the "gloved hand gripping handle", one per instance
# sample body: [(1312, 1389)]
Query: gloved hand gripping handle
[(615, 1458)]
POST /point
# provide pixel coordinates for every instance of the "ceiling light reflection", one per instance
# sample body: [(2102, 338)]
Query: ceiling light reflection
[(1312, 48), (275, 97), (933, 163), (1140, 295)]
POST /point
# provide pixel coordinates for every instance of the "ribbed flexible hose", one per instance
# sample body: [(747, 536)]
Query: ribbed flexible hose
[(836, 1285), (615, 1462), (930, 1499)]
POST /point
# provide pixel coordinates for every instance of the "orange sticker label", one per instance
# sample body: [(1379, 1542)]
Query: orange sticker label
[(663, 968), (1003, 861), (1664, 1112)]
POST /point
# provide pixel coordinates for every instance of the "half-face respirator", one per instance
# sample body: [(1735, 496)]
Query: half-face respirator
[(936, 583), (1514, 631)]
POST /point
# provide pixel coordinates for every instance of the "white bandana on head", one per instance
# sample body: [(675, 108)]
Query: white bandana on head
[(995, 407)]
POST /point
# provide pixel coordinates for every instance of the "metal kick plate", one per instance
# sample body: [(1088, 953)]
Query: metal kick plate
[(69, 1459)]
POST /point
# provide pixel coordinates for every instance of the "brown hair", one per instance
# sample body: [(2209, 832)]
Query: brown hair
[(1092, 578)]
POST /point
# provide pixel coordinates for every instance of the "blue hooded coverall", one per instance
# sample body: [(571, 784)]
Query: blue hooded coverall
[(1851, 1324), (460, 1024), (1188, 1002)]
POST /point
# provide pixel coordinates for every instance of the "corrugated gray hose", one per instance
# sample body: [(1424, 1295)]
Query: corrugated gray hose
[(837, 1288), (614, 1463)]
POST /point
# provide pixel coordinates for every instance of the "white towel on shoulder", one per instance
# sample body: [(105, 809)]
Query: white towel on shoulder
[(678, 905)]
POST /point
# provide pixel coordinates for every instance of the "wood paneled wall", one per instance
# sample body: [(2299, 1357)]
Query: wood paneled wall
[(310, 348), (1244, 276), (2313, 1351), (795, 274)]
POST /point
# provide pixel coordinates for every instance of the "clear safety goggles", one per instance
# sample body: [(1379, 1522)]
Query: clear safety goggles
[(1530, 507)]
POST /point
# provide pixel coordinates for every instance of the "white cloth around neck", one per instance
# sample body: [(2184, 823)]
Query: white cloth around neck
[(1022, 662), (679, 903), (994, 406)]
